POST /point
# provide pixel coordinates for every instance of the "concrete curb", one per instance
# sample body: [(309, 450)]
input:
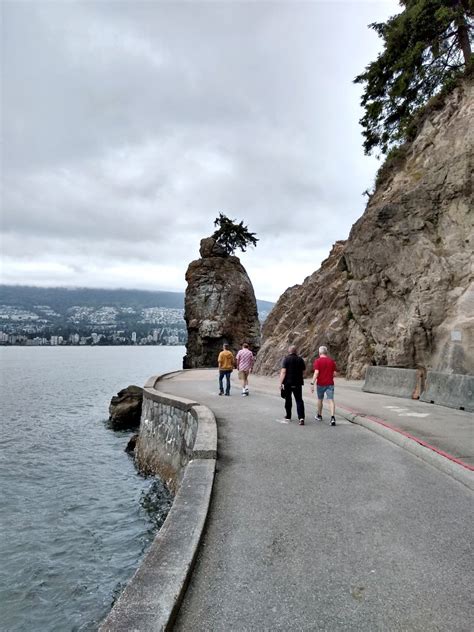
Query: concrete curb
[(151, 381), (152, 597), (436, 459), (205, 445)]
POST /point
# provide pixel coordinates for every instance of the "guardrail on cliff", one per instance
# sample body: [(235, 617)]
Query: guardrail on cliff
[(390, 381), (452, 390), (445, 389), (178, 441)]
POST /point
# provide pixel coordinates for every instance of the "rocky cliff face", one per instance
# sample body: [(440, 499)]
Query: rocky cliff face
[(220, 307), (400, 291)]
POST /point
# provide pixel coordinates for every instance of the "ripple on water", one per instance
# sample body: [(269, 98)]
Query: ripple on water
[(75, 517)]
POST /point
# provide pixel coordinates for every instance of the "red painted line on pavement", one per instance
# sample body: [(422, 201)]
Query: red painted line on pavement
[(410, 436)]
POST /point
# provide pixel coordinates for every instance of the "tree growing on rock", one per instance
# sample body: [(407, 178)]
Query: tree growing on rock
[(230, 235), (426, 47)]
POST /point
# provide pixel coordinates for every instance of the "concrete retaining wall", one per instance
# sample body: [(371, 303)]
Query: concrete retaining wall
[(178, 438), (452, 390), (168, 430), (390, 381)]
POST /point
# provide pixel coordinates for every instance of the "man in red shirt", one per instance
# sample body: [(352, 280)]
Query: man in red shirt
[(324, 371)]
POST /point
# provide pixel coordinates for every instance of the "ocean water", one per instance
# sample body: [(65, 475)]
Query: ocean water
[(75, 516)]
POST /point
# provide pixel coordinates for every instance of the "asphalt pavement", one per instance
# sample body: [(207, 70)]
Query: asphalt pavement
[(446, 429), (326, 528)]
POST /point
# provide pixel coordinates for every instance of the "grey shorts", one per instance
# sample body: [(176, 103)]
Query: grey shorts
[(329, 390)]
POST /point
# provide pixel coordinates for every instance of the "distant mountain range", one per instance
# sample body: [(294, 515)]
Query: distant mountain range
[(63, 298)]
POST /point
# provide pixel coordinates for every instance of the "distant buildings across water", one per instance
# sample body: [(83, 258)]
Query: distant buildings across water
[(163, 337)]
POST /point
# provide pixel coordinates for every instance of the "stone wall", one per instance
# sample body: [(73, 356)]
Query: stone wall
[(167, 435), (166, 439), (178, 441)]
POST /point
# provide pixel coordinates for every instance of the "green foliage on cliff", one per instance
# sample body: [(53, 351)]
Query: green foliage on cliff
[(230, 235), (426, 48)]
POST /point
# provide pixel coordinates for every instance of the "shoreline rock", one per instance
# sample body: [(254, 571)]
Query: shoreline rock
[(125, 408)]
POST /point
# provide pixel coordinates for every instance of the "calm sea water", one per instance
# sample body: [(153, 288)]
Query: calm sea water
[(75, 517)]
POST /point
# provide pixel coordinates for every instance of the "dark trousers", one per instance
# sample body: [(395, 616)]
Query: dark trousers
[(297, 391), (221, 382)]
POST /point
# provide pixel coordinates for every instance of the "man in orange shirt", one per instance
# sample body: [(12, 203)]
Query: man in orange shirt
[(225, 362)]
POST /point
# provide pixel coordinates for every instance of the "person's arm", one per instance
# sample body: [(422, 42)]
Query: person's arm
[(282, 376), (219, 360), (315, 377)]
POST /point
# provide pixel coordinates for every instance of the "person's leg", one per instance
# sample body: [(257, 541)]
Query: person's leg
[(288, 403), (320, 395), (298, 393), (246, 387), (221, 385), (243, 376), (227, 379), (332, 405)]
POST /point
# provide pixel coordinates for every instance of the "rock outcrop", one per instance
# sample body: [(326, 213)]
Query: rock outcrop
[(220, 306), (125, 408), (400, 291)]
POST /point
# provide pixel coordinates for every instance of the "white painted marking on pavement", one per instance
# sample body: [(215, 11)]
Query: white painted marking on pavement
[(413, 414), (406, 412)]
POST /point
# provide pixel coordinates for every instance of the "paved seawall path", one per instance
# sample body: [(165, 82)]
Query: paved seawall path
[(321, 528)]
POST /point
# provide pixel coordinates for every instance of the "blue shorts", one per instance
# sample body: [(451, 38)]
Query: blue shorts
[(329, 390)]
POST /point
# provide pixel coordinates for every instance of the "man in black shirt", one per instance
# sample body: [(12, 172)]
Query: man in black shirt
[(291, 382)]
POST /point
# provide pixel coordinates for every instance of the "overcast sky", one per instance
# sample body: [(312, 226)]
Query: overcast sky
[(128, 126)]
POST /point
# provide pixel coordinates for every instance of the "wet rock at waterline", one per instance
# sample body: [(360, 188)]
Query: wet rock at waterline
[(125, 408), (132, 442)]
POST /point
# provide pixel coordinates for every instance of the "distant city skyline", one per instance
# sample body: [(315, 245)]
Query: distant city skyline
[(128, 126), (32, 316)]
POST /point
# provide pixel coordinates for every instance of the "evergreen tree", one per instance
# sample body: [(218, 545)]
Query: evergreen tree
[(426, 47), (231, 235)]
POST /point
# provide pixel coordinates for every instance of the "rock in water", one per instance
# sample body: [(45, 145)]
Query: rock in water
[(219, 306), (125, 408), (400, 291), (132, 443)]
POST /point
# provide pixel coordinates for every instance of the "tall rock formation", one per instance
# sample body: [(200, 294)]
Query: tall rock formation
[(219, 306), (400, 291)]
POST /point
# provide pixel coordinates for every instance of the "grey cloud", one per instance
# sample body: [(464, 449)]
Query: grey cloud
[(129, 125)]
